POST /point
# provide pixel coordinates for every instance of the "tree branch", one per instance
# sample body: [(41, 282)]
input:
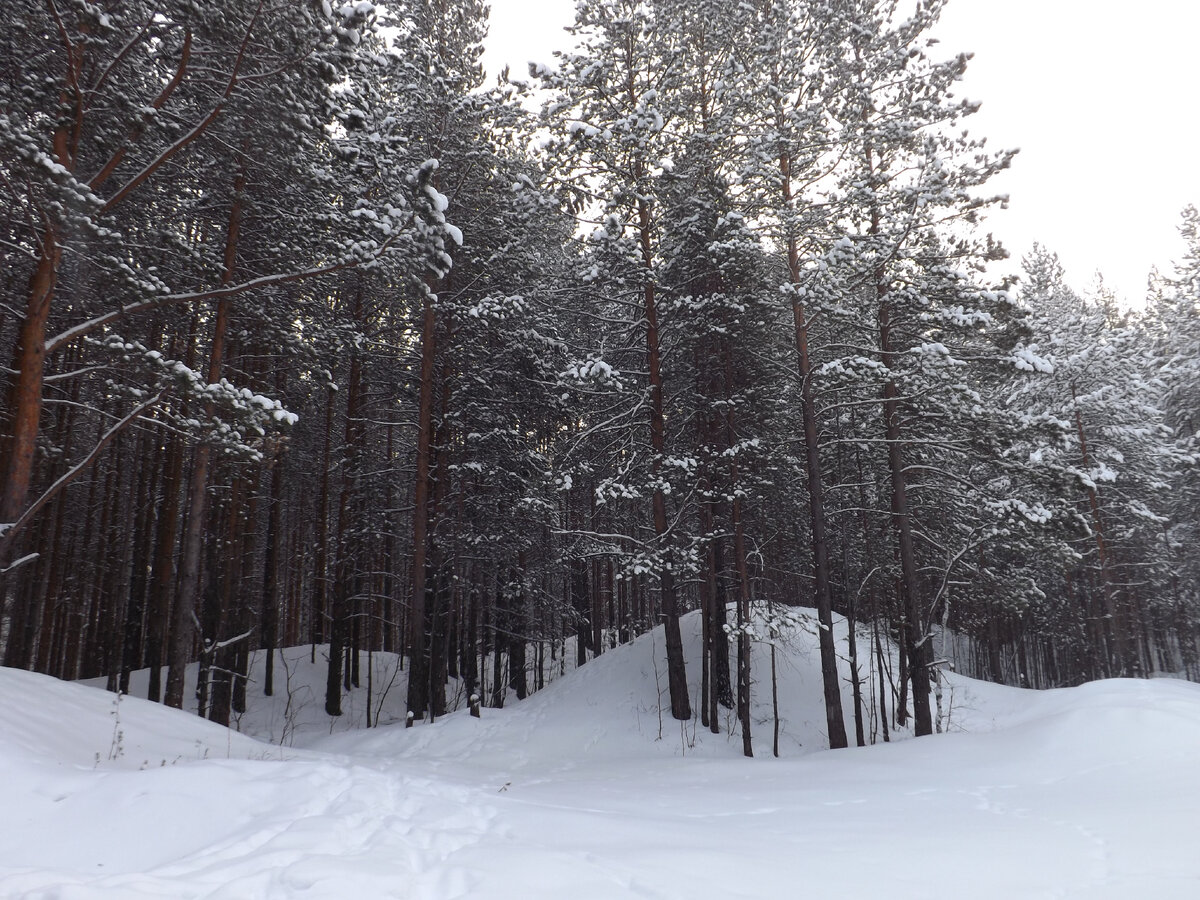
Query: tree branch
[(136, 132), (8, 530), (83, 328), (198, 130)]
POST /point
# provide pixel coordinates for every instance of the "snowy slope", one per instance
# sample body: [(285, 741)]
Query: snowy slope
[(1091, 792), (624, 691)]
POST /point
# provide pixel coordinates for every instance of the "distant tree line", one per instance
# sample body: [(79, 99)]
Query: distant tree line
[(311, 336)]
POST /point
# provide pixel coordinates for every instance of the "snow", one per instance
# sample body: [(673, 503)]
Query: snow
[(1027, 359), (439, 200), (583, 790)]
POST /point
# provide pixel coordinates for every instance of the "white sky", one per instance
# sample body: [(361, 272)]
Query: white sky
[(1102, 98)]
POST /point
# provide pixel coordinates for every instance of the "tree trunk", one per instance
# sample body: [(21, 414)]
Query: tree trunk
[(855, 680), (189, 583), (834, 721), (676, 672), (418, 626), (270, 596), (743, 617), (319, 610), (24, 414), (163, 574), (517, 617), (883, 715), (1122, 643), (346, 575)]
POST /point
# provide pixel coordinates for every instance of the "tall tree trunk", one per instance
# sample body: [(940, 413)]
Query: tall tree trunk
[(320, 596), (271, 595), (601, 589), (24, 413), (163, 574), (518, 628), (440, 567), (227, 621), (188, 600), (391, 553), (346, 567), (722, 686), (916, 645), (418, 625), (470, 661), (136, 612), (104, 593), (835, 724), (739, 554), (855, 679), (708, 597), (883, 714), (577, 584), (244, 613), (1121, 638), (676, 672), (743, 617), (499, 641)]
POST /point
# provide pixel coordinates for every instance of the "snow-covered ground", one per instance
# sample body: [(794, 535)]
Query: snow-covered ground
[(1091, 792)]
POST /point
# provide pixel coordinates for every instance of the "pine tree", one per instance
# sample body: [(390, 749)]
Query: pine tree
[(903, 272), (612, 116)]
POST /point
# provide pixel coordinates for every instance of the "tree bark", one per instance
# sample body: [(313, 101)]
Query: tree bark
[(346, 576), (676, 672), (1118, 630), (912, 624), (25, 395), (163, 573), (187, 602), (418, 626), (319, 610), (269, 625), (835, 724)]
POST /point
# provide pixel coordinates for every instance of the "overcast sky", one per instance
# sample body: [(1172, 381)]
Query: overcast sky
[(1103, 98)]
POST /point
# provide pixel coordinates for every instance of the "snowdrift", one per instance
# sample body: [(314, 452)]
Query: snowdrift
[(1091, 792)]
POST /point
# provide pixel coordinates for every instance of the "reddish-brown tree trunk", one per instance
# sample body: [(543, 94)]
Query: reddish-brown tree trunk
[(25, 395), (676, 672), (418, 626)]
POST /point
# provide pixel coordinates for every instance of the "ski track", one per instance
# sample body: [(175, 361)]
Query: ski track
[(389, 834)]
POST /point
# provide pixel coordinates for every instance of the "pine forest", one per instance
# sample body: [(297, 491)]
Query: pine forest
[(315, 336)]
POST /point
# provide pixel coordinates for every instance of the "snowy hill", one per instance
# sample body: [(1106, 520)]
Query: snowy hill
[(1090, 792), (612, 702)]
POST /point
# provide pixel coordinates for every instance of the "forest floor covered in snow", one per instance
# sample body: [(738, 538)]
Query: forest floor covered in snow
[(584, 791)]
